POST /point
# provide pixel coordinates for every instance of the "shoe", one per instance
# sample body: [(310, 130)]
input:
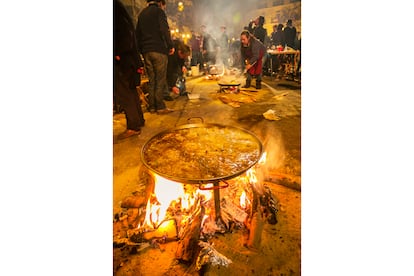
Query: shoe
[(128, 133), (168, 98), (247, 85), (164, 111)]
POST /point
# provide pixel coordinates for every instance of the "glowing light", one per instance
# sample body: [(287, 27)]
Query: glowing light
[(180, 6), (263, 159), (243, 200)]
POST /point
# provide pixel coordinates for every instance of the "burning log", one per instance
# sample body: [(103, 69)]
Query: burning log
[(256, 224), (231, 212), (289, 181), (166, 230), (133, 201), (187, 247)]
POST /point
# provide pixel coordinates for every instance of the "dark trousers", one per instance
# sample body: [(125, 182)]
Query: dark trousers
[(127, 97), (197, 58), (156, 66)]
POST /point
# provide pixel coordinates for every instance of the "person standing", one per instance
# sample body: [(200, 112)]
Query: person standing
[(196, 57), (256, 28), (290, 34), (127, 68), (208, 46), (223, 43), (252, 52), (277, 40), (155, 44)]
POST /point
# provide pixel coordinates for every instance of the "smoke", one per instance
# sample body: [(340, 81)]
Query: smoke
[(273, 145), (216, 13)]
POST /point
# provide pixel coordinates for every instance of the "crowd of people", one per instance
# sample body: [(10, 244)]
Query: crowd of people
[(150, 46)]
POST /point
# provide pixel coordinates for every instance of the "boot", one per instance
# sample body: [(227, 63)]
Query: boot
[(258, 84), (247, 85)]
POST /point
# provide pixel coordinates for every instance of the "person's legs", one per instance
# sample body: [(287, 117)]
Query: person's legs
[(149, 68), (160, 71), (259, 81), (128, 98), (248, 80)]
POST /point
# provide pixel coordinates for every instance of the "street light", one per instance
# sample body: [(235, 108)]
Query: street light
[(180, 6)]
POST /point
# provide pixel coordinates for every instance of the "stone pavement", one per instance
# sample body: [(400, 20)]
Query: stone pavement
[(280, 135)]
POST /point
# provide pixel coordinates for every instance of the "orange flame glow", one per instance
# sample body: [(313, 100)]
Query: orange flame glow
[(243, 200), (167, 192)]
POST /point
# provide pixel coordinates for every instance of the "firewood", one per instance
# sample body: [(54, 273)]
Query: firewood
[(255, 231), (167, 229), (187, 247), (256, 224), (133, 202)]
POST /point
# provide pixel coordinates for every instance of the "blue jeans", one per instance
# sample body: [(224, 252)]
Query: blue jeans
[(156, 67)]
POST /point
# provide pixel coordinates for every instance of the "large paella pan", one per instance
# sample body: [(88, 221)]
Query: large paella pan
[(201, 153)]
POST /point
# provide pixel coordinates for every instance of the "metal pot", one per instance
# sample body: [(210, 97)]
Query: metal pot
[(201, 153)]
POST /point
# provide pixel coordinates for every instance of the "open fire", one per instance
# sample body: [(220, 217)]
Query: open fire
[(188, 214)]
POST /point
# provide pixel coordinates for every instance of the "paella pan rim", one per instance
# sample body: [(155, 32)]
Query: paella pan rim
[(201, 180)]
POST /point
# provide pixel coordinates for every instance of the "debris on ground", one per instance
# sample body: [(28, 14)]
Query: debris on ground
[(271, 115)]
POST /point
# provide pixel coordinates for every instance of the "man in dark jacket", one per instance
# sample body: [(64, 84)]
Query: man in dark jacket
[(252, 51), (256, 28), (176, 68), (127, 64), (290, 34), (155, 44)]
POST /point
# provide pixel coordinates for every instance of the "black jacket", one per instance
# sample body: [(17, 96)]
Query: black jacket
[(153, 31), (260, 33), (290, 36), (278, 38), (124, 41), (175, 65)]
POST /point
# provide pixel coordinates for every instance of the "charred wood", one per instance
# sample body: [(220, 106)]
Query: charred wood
[(187, 247)]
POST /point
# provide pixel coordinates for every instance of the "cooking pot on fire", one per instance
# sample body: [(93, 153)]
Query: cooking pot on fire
[(200, 153)]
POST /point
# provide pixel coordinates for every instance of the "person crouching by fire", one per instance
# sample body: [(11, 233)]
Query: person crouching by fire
[(252, 52)]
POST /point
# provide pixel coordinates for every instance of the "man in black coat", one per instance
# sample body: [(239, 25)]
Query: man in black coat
[(176, 68), (290, 34), (155, 44), (127, 65)]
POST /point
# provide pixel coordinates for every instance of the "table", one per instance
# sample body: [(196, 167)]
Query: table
[(290, 60)]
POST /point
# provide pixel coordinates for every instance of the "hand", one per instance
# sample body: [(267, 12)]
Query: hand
[(140, 70), (184, 69), (171, 52), (118, 58), (175, 90)]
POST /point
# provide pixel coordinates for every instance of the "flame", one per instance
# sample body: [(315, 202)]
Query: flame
[(262, 159), (167, 192), (243, 200), (185, 197)]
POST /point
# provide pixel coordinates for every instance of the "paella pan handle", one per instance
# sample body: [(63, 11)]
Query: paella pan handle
[(215, 187), (191, 118)]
